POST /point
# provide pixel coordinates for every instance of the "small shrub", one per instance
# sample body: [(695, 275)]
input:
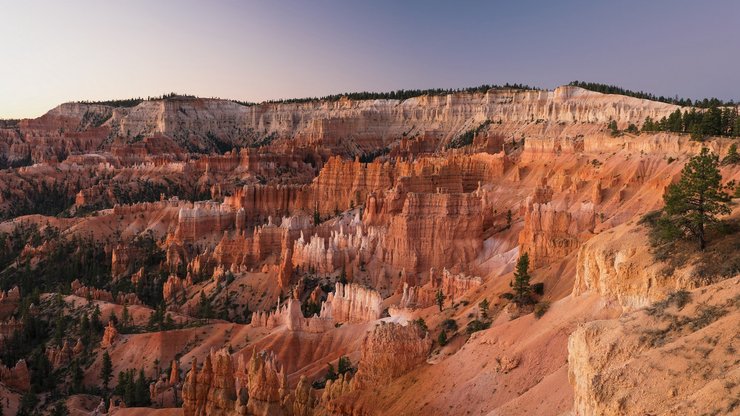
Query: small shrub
[(507, 296), (442, 338), (422, 325), (680, 299), (540, 309), (449, 325), (476, 325), (538, 288)]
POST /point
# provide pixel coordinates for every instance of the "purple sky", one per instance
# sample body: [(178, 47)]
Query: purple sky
[(56, 51)]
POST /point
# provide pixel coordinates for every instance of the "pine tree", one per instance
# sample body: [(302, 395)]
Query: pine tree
[(78, 377), (613, 128), (125, 317), (648, 125), (483, 306), (508, 219), (344, 365), (732, 158), (106, 371), (141, 390), (442, 338), (95, 322), (696, 200), (674, 122), (440, 298), (520, 284), (330, 373)]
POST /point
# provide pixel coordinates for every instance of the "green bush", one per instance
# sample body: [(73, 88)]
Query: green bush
[(540, 309), (449, 325), (476, 325), (538, 288)]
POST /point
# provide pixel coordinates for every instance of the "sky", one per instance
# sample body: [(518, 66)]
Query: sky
[(57, 51)]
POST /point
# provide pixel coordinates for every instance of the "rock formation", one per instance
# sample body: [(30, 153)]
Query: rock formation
[(389, 351), (78, 289), (671, 357), (109, 335), (452, 286), (256, 387), (289, 315), (352, 303), (210, 391), (17, 377), (551, 229)]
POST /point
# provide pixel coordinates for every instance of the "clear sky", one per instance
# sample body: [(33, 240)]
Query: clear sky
[(55, 51)]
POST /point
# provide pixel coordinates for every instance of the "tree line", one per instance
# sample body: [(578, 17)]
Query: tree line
[(684, 102), (403, 94), (714, 121)]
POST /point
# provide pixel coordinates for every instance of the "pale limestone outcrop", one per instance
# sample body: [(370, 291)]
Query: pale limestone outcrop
[(674, 358), (10, 296), (290, 316), (616, 265), (427, 230), (352, 303)]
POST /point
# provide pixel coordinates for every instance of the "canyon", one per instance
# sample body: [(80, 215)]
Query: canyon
[(351, 257)]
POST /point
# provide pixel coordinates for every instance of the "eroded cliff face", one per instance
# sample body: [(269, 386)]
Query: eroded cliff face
[(352, 303), (676, 357), (618, 265), (346, 125), (553, 229), (390, 351)]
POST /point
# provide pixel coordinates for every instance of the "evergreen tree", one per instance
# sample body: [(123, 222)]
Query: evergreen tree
[(95, 322), (648, 125), (316, 217), (60, 410), (696, 200), (732, 158), (125, 318), (330, 373), (508, 219), (674, 122), (204, 307), (78, 377), (520, 284), (141, 390), (440, 299), (344, 365), (483, 306), (442, 338), (106, 371), (613, 128)]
